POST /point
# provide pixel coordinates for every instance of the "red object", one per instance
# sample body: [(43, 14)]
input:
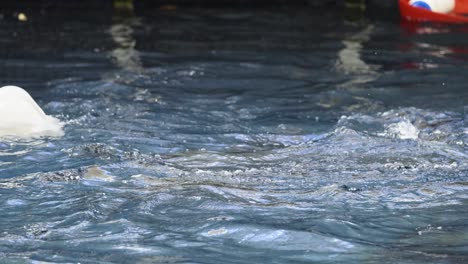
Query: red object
[(412, 13)]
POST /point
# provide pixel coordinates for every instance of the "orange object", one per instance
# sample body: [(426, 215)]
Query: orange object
[(168, 8), (411, 13)]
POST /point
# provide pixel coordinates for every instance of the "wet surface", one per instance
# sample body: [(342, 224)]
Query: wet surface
[(208, 136)]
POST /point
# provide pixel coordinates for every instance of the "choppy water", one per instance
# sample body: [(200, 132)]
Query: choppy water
[(237, 137)]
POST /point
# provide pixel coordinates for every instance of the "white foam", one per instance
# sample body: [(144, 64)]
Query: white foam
[(21, 117), (404, 130)]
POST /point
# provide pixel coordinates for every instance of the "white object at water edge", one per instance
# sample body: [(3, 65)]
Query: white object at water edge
[(21, 117)]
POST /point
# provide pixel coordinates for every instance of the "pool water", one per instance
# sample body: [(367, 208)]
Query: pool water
[(237, 136)]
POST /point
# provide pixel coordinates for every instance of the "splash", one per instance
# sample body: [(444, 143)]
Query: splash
[(403, 130)]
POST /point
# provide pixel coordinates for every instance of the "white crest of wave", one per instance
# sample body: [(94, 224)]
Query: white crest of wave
[(21, 117), (404, 130)]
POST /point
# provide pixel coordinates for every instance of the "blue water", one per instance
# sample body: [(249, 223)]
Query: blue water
[(243, 136)]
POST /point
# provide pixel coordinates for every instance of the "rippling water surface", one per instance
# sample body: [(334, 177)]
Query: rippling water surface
[(243, 136)]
